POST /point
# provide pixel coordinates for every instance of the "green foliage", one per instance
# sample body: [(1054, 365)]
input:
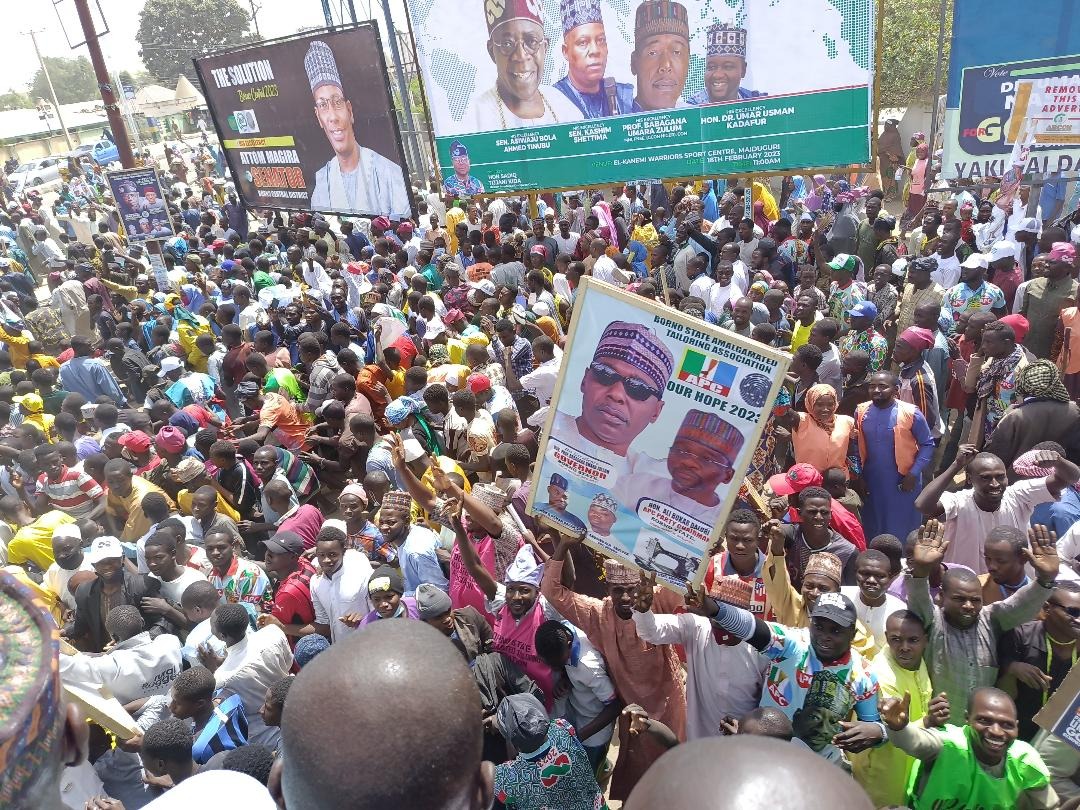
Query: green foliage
[(909, 51), (172, 32), (14, 100), (72, 79)]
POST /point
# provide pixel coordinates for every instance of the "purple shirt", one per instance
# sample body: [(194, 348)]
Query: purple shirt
[(899, 586), (407, 602)]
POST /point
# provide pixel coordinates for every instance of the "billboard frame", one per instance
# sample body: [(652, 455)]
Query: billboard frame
[(333, 29)]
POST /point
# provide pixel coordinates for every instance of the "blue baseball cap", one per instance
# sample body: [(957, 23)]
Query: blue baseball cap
[(863, 309), (457, 149)]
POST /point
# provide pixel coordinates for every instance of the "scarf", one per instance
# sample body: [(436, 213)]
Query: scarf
[(1041, 380), (991, 378), (813, 394)]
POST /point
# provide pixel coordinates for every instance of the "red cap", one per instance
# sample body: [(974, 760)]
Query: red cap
[(478, 383), (795, 480), (136, 441), (453, 316), (405, 227), (1020, 326)]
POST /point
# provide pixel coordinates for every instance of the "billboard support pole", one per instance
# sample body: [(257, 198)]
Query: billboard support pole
[(105, 86), (937, 75), (403, 89), (327, 16)]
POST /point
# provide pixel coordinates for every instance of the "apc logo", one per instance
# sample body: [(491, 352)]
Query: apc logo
[(988, 131), (1060, 118)]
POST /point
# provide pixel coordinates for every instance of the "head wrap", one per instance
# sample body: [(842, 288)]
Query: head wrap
[(171, 439), (401, 409), (1041, 380), (524, 569), (712, 431), (396, 499), (579, 12), (637, 345), (615, 573), (917, 337), (523, 721), (246, 389), (725, 40), (30, 718), (453, 316), (187, 470), (307, 647), (431, 602), (1063, 252), (1026, 466), (437, 355), (919, 136), (815, 393), (357, 490), (655, 17), (824, 564), (321, 66)]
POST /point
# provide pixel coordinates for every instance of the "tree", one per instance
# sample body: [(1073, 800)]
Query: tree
[(909, 52), (73, 80), (14, 100), (172, 32)]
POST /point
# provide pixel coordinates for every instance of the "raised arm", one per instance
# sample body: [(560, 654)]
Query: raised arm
[(929, 500), (470, 559), (421, 494), (784, 600), (1024, 605), (927, 555)]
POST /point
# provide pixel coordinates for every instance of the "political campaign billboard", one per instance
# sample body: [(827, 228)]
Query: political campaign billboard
[(309, 123), (543, 94), (653, 422), (141, 204), (1005, 89)]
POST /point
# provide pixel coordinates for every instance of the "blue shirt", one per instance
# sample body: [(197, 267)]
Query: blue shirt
[(702, 96), (1058, 516), (91, 378), (419, 563), (595, 105)]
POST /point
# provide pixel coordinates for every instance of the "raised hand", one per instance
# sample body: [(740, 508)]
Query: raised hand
[(857, 736), (1043, 554), (773, 532), (964, 455), (643, 596), (937, 713), (895, 711), (697, 601), (929, 548)]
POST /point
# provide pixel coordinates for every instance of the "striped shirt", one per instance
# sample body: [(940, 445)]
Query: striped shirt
[(75, 492)]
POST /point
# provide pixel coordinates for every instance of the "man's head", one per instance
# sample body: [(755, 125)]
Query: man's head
[(623, 387), (702, 455), (553, 641), (274, 701), (991, 714), (330, 549), (906, 637), (107, 558), (332, 110), (822, 575), (622, 585), (883, 387), (124, 622), (961, 597), (434, 764), (166, 749), (661, 57), (1061, 616), (199, 601), (1003, 553), (872, 574), (741, 539), (832, 626), (192, 694), (230, 622), (160, 552), (518, 47), (118, 477), (385, 589), (988, 478)]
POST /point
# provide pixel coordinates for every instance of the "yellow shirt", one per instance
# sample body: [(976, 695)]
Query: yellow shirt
[(44, 423), (395, 383), (453, 217), (129, 293), (33, 542), (801, 334), (45, 361), (18, 347), (883, 771), (128, 510), (184, 498)]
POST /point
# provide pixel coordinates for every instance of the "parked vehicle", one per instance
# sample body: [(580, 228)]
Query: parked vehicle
[(104, 151), (36, 173)]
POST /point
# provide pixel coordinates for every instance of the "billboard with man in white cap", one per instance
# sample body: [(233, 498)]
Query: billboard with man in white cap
[(309, 123)]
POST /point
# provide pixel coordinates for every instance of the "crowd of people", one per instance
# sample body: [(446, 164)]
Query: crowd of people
[(228, 465)]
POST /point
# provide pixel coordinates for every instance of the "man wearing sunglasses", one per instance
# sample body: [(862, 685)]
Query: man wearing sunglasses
[(1036, 656), (701, 460), (356, 179), (518, 47), (621, 395)]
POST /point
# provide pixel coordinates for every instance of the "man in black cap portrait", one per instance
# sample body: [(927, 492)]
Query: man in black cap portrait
[(585, 49), (356, 179), (725, 66), (555, 507), (461, 184), (661, 57)]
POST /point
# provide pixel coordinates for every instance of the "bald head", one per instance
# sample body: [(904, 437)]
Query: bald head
[(684, 777), (425, 726)]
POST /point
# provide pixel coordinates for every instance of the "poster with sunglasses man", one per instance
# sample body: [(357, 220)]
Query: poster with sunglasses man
[(653, 422)]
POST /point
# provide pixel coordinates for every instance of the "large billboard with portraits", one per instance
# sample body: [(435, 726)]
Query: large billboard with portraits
[(654, 420), (308, 123), (540, 94)]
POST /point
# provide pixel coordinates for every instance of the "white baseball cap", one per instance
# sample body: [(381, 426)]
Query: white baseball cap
[(67, 530), (1001, 249), (1029, 225), (413, 450), (169, 364), (104, 548), (975, 261)]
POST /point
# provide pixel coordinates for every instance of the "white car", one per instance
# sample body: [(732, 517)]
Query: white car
[(36, 174)]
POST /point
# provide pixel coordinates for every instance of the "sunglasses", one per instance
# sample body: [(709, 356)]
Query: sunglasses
[(1073, 612), (635, 388)]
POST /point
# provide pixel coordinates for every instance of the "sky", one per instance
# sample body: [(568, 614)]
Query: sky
[(277, 18)]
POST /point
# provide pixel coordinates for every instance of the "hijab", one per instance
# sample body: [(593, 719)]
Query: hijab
[(815, 393)]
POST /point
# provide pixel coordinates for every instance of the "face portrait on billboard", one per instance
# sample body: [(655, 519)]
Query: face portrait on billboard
[(618, 401), (335, 116), (585, 49), (722, 77), (697, 470), (518, 48), (661, 64)]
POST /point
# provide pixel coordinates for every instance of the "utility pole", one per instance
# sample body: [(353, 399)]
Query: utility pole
[(255, 17), (52, 93), (108, 93), (403, 89)]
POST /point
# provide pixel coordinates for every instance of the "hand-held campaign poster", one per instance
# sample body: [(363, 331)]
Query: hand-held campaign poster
[(308, 123), (654, 420), (141, 204), (631, 88)]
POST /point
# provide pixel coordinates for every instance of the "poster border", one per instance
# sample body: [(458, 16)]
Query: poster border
[(657, 309), (119, 175), (333, 29)]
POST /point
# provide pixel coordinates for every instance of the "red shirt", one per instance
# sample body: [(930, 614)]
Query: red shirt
[(292, 600)]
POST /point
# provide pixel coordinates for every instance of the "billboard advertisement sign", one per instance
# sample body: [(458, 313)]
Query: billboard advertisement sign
[(141, 204), (309, 123), (1005, 89), (653, 422), (538, 94)]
